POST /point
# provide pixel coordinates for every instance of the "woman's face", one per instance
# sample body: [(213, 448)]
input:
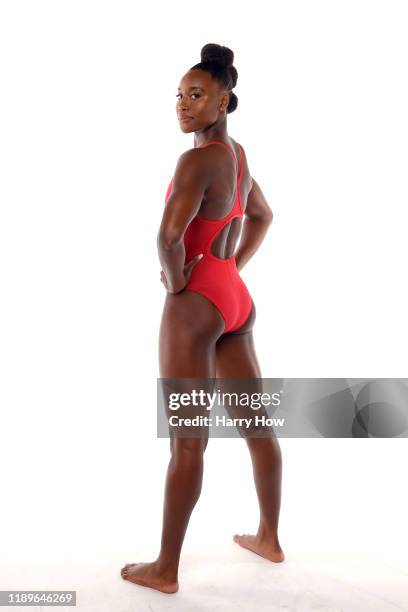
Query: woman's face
[(198, 101)]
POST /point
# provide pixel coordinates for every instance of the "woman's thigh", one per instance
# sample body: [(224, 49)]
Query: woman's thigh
[(236, 359), (235, 353), (190, 327)]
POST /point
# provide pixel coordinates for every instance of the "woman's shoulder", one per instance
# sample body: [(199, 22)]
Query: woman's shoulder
[(190, 159), (239, 150), (238, 145)]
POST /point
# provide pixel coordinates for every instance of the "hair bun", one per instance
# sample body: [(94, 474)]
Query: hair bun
[(217, 53)]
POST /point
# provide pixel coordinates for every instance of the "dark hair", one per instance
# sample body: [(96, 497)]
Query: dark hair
[(218, 60)]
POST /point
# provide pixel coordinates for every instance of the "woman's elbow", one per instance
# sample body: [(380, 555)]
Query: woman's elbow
[(268, 216), (168, 239)]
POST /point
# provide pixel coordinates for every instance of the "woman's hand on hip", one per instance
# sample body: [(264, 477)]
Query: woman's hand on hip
[(188, 268)]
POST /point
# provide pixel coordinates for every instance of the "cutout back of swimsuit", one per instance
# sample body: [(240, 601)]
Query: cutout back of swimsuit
[(220, 236)]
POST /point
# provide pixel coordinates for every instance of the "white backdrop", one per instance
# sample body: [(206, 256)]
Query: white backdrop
[(89, 140)]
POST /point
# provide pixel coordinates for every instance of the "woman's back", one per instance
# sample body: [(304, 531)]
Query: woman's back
[(216, 276), (219, 218)]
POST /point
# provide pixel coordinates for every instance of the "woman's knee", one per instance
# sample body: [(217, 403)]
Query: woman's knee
[(265, 447), (189, 448)]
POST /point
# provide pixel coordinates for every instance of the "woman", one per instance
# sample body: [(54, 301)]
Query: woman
[(208, 317)]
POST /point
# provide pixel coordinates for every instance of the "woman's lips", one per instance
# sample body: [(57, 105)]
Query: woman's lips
[(181, 119)]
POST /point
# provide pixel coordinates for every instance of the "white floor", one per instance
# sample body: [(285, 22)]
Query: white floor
[(228, 579)]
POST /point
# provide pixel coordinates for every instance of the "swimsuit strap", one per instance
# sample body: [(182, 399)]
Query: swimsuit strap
[(240, 163), (221, 142), (239, 179), (240, 166), (233, 212)]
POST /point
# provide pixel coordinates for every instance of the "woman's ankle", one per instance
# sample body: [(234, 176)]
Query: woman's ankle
[(167, 569)]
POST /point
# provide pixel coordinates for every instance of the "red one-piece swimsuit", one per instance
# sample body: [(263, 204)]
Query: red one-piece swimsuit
[(216, 278)]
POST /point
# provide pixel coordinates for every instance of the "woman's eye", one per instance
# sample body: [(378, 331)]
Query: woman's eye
[(194, 94)]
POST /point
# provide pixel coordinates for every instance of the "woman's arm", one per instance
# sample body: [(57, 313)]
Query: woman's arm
[(258, 217), (190, 181)]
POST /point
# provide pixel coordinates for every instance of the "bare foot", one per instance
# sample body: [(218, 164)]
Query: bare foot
[(147, 575), (260, 546)]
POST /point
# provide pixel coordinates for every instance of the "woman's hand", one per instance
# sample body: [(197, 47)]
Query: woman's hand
[(188, 268)]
